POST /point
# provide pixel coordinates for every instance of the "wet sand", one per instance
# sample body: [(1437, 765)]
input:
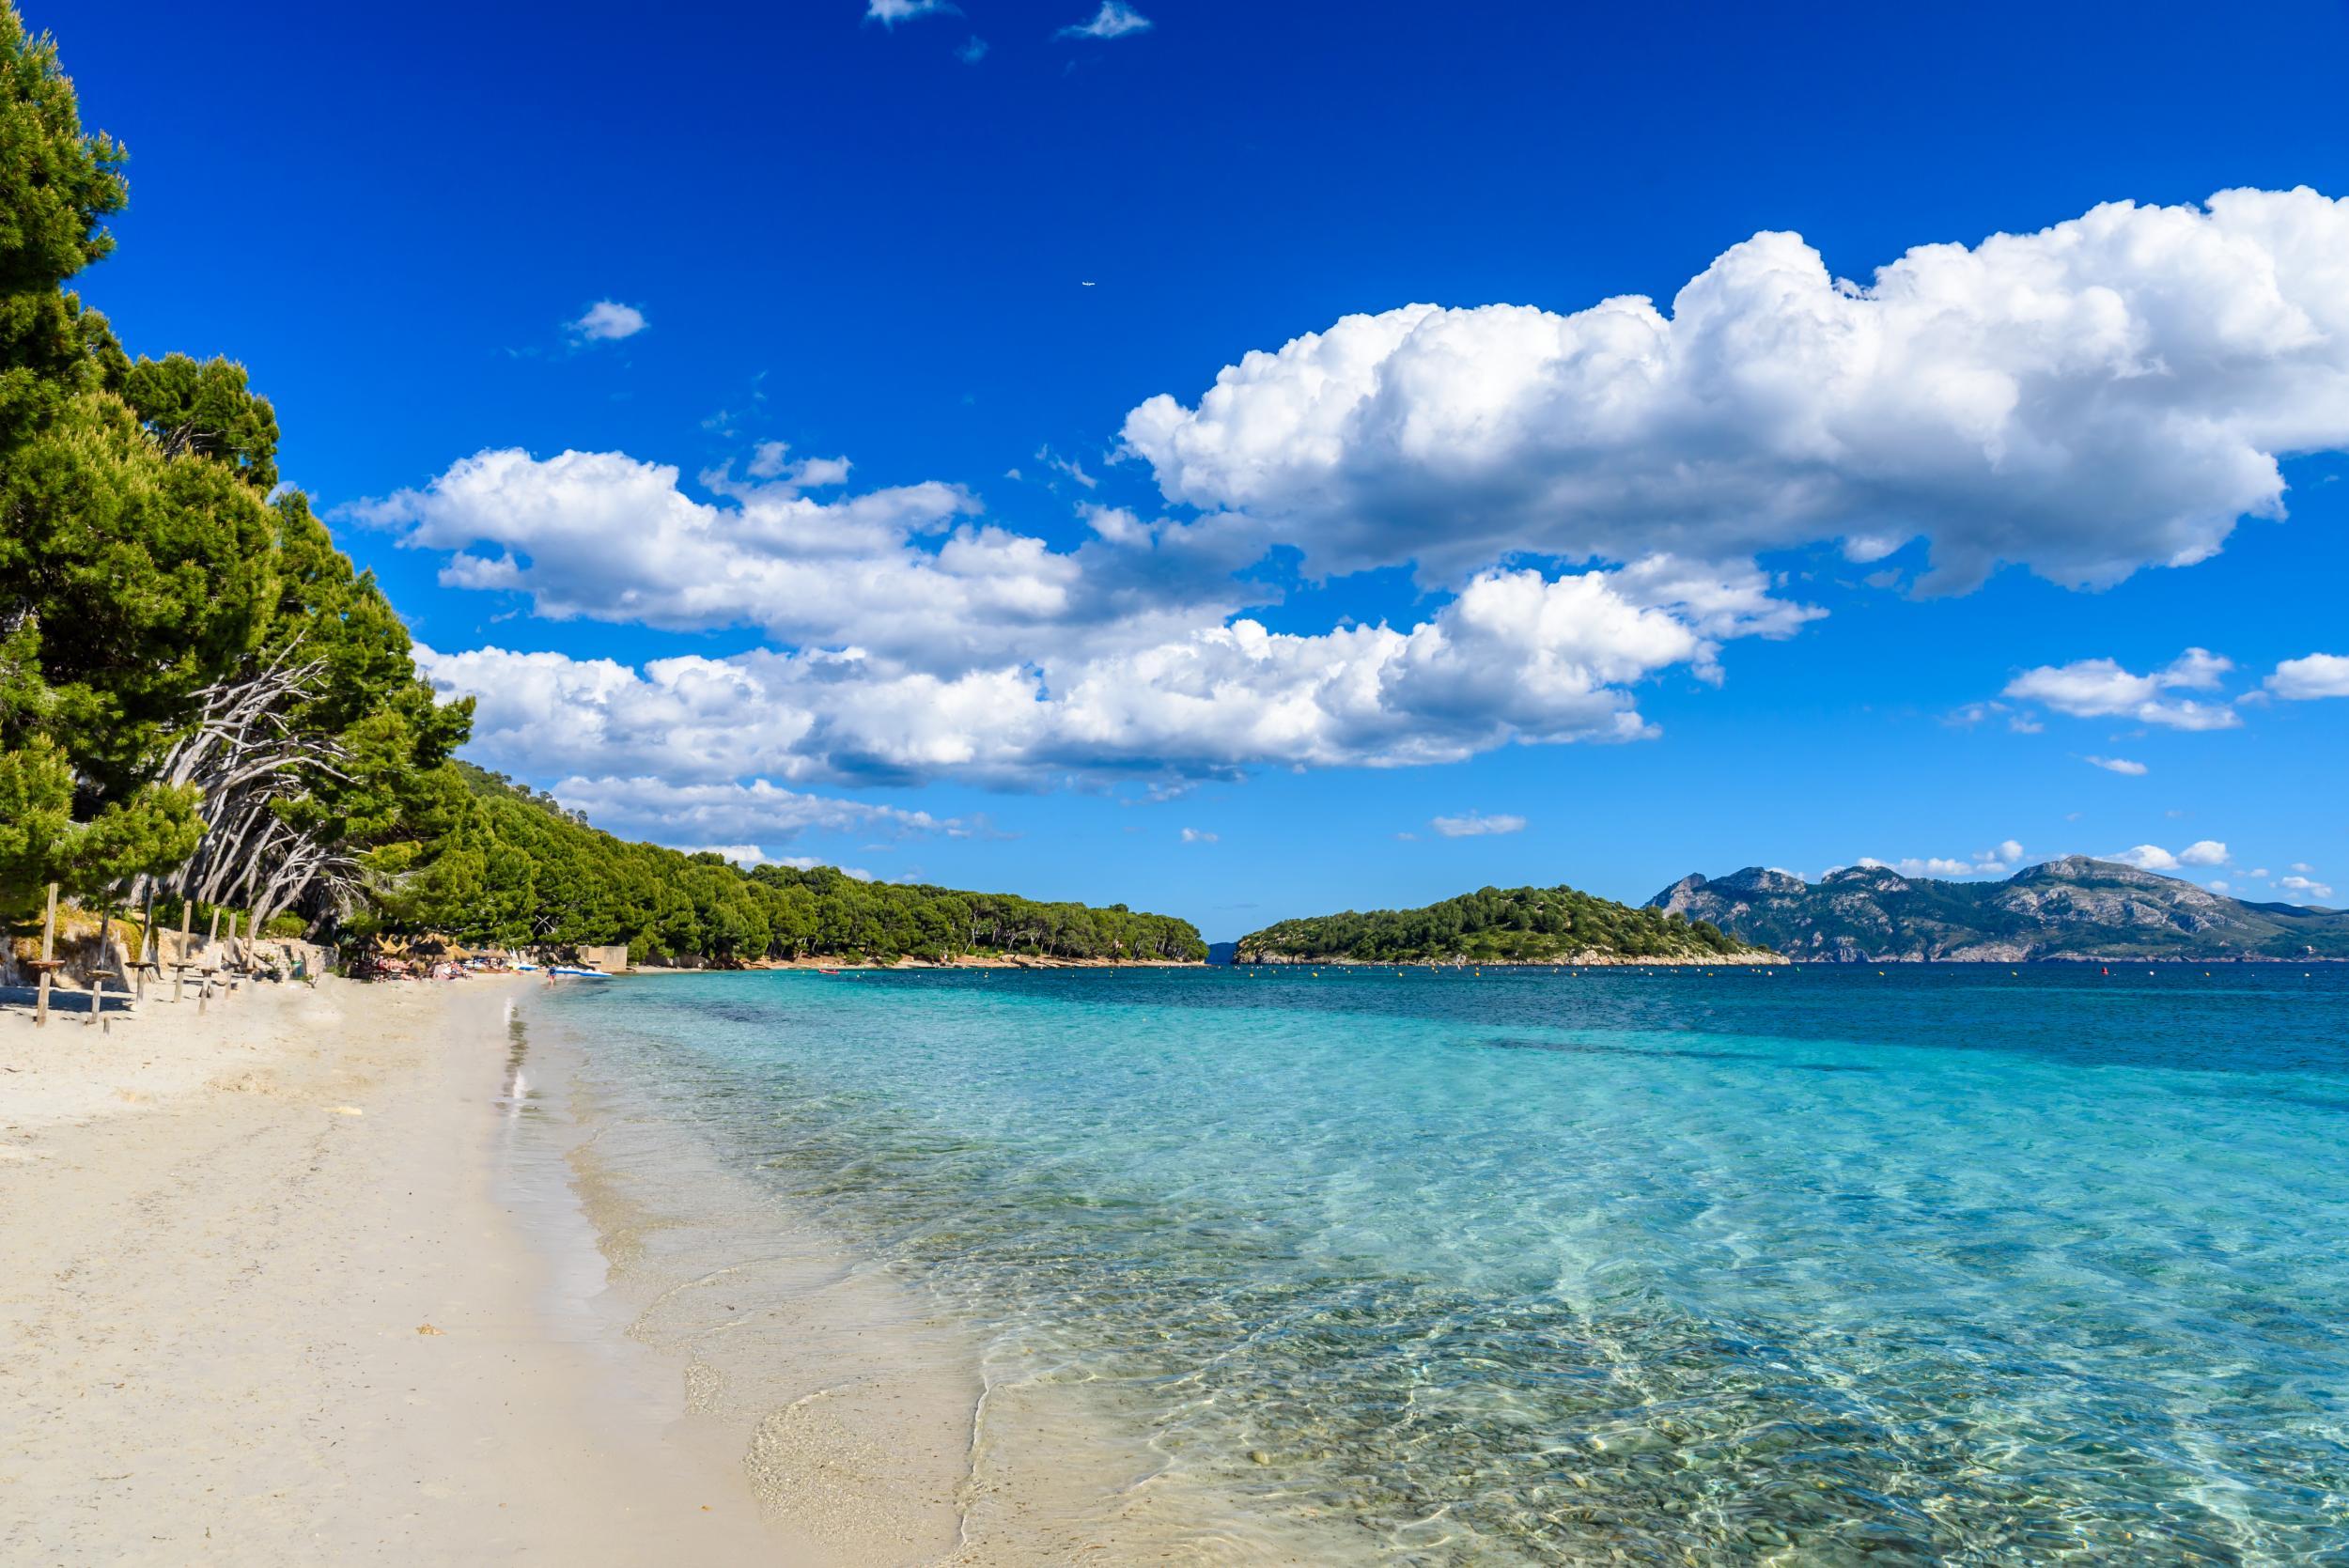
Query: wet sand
[(873, 1418)]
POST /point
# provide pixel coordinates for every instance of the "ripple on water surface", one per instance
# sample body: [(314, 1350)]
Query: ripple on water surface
[(1952, 1265)]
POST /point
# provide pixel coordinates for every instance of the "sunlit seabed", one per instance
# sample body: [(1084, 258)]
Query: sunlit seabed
[(1815, 1266)]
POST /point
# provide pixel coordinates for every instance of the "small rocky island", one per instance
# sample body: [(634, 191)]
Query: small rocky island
[(2072, 907), (1501, 926)]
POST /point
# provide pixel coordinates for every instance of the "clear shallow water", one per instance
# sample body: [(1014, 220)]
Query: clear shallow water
[(1814, 1265)]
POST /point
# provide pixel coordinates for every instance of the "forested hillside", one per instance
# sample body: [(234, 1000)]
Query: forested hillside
[(201, 700), (1494, 925), (521, 869)]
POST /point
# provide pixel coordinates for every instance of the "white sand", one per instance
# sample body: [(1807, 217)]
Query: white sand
[(219, 1241)]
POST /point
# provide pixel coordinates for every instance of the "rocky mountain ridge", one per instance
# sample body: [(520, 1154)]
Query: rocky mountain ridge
[(2071, 907)]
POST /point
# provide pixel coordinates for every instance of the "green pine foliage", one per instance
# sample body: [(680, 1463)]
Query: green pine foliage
[(99, 553), (1494, 925), (518, 869), (144, 563)]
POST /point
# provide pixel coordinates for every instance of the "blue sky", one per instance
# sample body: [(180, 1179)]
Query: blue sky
[(1001, 286)]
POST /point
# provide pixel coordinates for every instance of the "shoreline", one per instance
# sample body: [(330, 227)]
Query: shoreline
[(1587, 961), (873, 1420), (381, 1273), (821, 963), (1752, 961)]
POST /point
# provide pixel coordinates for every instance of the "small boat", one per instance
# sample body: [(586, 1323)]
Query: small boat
[(577, 971), (827, 972)]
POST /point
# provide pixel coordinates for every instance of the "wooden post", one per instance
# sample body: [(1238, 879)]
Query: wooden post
[(98, 970), (48, 950), (179, 971), (151, 950)]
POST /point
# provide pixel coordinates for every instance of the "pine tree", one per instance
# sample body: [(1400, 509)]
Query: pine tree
[(77, 585)]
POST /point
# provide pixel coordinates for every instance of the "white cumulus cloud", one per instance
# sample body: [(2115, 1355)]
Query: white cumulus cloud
[(1998, 861), (1516, 657), (2320, 675), (1198, 835), (2101, 688), (2108, 393), (2117, 765), (753, 812), (607, 320), (901, 571), (744, 855), (2153, 857), (781, 478), (920, 640), (1586, 494), (2304, 886)]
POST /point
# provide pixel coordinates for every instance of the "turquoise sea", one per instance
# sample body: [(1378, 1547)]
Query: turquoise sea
[(1942, 1265)]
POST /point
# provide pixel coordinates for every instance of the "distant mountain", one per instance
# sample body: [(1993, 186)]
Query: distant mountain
[(1220, 952), (1497, 925), (2072, 907)]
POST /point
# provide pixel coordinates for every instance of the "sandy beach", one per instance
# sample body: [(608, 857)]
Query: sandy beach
[(365, 1274), (280, 1288)]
